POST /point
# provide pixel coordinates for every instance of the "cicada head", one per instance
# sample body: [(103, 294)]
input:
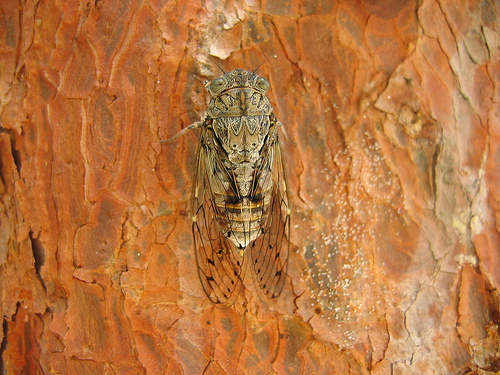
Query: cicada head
[(237, 78)]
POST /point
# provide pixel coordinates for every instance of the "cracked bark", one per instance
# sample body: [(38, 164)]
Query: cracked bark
[(392, 110)]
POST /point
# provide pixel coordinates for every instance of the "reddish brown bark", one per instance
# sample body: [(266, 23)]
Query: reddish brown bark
[(392, 114)]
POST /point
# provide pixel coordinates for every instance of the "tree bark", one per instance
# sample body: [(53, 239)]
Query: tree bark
[(392, 149)]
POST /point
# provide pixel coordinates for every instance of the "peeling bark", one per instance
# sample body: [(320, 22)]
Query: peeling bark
[(392, 116)]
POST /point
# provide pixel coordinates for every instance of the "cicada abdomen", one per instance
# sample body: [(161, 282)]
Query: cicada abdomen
[(239, 202)]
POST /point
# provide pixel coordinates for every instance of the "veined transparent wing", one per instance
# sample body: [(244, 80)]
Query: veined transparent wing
[(269, 252), (220, 267)]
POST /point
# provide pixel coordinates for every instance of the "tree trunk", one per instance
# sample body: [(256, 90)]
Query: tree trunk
[(392, 149)]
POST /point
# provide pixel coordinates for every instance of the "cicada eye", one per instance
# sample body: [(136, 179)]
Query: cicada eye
[(216, 85), (263, 84)]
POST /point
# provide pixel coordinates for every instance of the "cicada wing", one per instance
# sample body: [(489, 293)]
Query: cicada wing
[(270, 251), (220, 268)]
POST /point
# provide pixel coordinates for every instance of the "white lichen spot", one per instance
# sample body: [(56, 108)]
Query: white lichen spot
[(460, 223), (476, 225), (462, 259)]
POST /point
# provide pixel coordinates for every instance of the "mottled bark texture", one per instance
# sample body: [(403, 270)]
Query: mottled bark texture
[(392, 115)]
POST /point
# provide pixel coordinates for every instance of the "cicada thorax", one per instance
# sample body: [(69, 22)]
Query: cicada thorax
[(243, 130)]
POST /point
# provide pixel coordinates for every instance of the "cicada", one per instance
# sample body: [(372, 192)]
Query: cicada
[(239, 206)]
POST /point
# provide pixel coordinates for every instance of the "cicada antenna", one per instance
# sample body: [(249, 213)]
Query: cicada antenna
[(204, 83), (199, 79), (262, 63), (217, 65)]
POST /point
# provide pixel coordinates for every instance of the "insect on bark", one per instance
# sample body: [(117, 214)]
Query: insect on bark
[(239, 203)]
